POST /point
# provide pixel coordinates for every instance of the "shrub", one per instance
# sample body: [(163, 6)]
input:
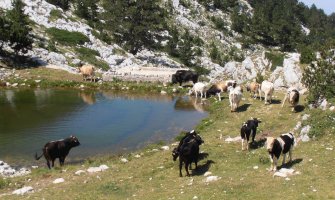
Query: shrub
[(89, 55), (66, 37), (321, 122), (55, 14), (276, 58), (307, 56)]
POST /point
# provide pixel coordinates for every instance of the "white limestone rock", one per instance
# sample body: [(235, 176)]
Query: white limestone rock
[(24, 190)]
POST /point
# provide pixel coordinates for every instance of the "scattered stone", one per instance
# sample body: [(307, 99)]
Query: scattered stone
[(163, 92), (79, 172), (304, 133), (124, 160), (58, 180), (7, 171), (212, 179), (34, 167), (305, 117), (15, 84), (82, 86), (332, 108), (24, 190), (255, 167), (165, 148), (37, 81), (137, 156), (285, 172), (329, 148), (235, 139), (195, 197), (207, 173), (97, 169)]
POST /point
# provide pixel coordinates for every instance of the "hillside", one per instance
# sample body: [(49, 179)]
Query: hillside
[(196, 34)]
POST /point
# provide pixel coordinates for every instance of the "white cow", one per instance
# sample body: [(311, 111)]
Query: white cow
[(235, 96), (198, 87), (267, 88), (292, 95)]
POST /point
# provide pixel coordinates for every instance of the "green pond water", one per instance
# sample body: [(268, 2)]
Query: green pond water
[(104, 122)]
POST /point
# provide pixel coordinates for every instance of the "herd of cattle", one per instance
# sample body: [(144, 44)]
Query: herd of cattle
[(188, 148)]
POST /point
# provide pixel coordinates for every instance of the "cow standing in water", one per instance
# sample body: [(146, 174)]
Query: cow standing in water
[(58, 149)]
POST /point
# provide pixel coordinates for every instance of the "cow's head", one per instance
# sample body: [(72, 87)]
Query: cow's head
[(257, 121), (74, 141), (269, 143), (175, 154)]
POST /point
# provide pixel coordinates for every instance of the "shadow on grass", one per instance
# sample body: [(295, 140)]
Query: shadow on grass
[(291, 164), (202, 169), (257, 144), (275, 101), (299, 108), (244, 107)]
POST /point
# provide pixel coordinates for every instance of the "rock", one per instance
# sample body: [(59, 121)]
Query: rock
[(255, 167), (324, 104), (37, 81), (7, 171), (15, 84), (79, 172), (97, 169), (163, 92), (305, 117), (124, 160), (212, 178), (235, 139), (195, 197), (332, 108), (165, 148), (207, 173), (137, 156), (58, 180), (24, 190), (284, 172)]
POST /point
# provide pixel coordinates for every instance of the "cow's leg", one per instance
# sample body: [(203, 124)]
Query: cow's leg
[(53, 162), (253, 134), (290, 153), (61, 161), (48, 163), (242, 144), (284, 157), (186, 168), (275, 161), (180, 166), (271, 160)]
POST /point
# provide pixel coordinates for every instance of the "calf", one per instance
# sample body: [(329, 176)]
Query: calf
[(253, 88), (281, 145), (58, 149), (292, 95), (267, 88), (235, 96), (247, 128), (87, 71), (198, 88), (188, 151)]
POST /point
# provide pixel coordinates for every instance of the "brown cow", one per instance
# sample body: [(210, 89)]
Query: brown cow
[(87, 71)]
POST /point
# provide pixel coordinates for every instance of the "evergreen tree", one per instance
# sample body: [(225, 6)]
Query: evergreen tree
[(135, 23), (186, 51), (64, 4), (19, 31), (87, 9), (4, 32)]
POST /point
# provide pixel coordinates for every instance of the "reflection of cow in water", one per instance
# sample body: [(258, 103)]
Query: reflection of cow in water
[(184, 76), (189, 103), (87, 97)]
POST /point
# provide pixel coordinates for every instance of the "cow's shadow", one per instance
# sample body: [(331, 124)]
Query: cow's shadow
[(257, 144), (202, 169), (292, 163), (244, 107), (275, 101), (299, 108)]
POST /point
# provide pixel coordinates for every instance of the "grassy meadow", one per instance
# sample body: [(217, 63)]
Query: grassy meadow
[(155, 176)]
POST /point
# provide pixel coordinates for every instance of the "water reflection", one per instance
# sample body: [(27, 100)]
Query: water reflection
[(104, 122)]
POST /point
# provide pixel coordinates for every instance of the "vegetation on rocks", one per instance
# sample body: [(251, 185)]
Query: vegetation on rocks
[(66, 37)]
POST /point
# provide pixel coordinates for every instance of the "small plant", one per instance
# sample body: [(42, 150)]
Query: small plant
[(3, 183), (55, 14), (89, 55), (321, 122), (66, 37), (276, 58)]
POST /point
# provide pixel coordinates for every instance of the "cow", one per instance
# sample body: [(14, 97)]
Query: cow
[(87, 71), (235, 96), (292, 95), (188, 151), (281, 145), (198, 88), (58, 149), (247, 128), (253, 88), (184, 76), (218, 88), (267, 88)]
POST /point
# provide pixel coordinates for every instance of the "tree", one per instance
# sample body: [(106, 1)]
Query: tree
[(87, 9), (4, 31), (19, 31), (135, 24), (64, 4), (319, 77)]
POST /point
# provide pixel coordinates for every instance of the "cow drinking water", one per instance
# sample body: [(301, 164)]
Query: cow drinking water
[(58, 149)]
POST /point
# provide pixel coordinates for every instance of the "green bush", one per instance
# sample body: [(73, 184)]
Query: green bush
[(276, 58), (55, 14), (89, 55), (66, 37), (307, 55), (321, 122)]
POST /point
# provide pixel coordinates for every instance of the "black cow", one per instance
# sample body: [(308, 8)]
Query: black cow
[(281, 145), (247, 128), (188, 151), (183, 76), (58, 149)]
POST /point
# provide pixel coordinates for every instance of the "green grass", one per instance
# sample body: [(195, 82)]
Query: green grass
[(155, 175), (55, 14), (66, 37), (89, 55), (276, 58)]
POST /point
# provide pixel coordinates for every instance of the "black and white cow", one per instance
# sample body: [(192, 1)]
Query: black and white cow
[(281, 145), (292, 95), (183, 76), (247, 128)]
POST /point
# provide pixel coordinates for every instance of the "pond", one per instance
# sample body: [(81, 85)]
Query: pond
[(104, 122)]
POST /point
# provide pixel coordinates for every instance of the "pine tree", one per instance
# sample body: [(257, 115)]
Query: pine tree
[(87, 9), (64, 4), (19, 38), (4, 32)]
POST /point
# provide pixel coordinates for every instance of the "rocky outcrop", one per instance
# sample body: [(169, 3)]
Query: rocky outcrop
[(8, 171)]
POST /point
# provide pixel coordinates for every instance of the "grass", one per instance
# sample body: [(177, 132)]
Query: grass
[(89, 56), (67, 38), (276, 58), (55, 14), (155, 175)]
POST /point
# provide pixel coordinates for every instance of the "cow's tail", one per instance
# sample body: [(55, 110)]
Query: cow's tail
[(38, 157)]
